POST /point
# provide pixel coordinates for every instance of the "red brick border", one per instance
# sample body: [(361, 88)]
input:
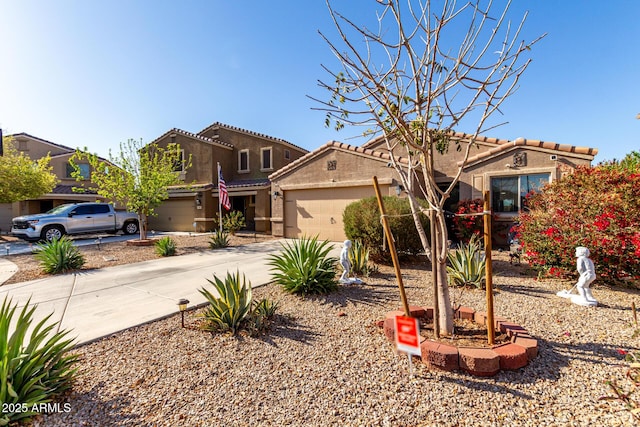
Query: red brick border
[(476, 361)]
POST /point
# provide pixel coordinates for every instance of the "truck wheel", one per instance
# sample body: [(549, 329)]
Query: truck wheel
[(130, 227), (52, 232)]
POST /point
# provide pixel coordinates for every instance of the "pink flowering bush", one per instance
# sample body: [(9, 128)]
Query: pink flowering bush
[(594, 207)]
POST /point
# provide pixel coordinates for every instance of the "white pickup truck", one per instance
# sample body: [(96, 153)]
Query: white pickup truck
[(74, 218)]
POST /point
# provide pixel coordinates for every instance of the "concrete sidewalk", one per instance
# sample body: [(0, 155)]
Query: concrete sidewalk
[(98, 303)]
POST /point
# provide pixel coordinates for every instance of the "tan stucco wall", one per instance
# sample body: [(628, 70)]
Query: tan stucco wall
[(351, 170)]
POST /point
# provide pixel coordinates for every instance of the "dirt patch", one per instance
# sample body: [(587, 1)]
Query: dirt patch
[(466, 333)]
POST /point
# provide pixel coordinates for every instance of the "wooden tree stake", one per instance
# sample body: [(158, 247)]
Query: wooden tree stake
[(392, 247), (488, 269)]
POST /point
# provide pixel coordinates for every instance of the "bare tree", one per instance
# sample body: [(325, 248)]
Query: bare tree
[(428, 68)]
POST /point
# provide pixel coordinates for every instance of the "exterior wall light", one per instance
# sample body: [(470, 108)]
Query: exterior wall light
[(399, 189), (276, 194), (182, 305)]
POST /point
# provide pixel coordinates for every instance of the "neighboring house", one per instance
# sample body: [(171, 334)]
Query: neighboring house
[(36, 148), (313, 191), (246, 158)]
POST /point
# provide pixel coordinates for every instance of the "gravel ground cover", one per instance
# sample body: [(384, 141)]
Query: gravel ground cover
[(325, 363)]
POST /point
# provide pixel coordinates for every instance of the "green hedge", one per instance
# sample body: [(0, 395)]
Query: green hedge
[(362, 222)]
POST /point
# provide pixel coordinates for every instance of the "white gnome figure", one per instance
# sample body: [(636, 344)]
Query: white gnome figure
[(344, 262), (587, 272)]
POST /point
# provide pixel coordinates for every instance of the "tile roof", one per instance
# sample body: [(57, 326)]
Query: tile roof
[(250, 132), (259, 182), (522, 142), (335, 145), (193, 136), (68, 189)]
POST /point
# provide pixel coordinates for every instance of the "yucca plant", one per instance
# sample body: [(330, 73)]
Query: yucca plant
[(34, 366), (219, 240), (304, 267), (165, 246), (227, 311), (467, 264), (59, 256), (359, 259)]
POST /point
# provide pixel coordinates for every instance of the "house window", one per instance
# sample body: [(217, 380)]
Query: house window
[(508, 193), (243, 161), (178, 166), (265, 155), (84, 171), (287, 154)]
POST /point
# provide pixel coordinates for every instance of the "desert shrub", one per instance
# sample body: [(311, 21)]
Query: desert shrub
[(34, 362), (359, 259), (233, 222), (234, 309), (219, 240), (59, 256), (304, 267), (362, 222), (165, 246), (598, 208), (467, 264), (261, 316)]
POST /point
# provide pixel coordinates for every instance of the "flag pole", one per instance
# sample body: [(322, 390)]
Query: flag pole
[(219, 202)]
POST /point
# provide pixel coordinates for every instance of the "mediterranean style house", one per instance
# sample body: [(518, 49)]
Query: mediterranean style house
[(246, 159), (311, 193), (36, 148), (285, 190)]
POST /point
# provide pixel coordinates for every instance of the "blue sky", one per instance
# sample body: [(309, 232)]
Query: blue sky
[(95, 73)]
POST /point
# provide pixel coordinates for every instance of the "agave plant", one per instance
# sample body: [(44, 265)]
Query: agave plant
[(227, 311), (359, 259), (219, 240), (34, 366), (304, 267), (59, 256), (467, 264), (165, 246)]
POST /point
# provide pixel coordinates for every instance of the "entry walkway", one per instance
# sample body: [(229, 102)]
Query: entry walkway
[(98, 303)]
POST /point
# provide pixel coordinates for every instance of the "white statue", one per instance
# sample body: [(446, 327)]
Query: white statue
[(346, 265), (587, 276)]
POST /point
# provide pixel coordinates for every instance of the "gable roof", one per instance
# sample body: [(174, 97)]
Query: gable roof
[(522, 142), (499, 146), (218, 125), (194, 136), (334, 145), (44, 141)]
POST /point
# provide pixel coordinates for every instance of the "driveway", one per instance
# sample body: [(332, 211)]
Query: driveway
[(98, 303)]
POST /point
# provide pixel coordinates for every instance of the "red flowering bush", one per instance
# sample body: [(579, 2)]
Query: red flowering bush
[(467, 226), (594, 207)]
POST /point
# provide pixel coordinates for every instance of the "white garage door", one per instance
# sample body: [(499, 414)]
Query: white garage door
[(319, 211)]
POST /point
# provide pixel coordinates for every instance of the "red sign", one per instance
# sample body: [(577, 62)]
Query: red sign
[(407, 335)]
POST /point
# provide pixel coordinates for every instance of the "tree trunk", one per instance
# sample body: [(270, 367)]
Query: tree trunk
[(142, 225), (440, 257)]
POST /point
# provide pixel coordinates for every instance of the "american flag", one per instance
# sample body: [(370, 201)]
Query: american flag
[(223, 194)]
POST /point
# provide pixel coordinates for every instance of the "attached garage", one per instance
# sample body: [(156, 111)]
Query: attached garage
[(319, 211), (175, 214), (310, 194)]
